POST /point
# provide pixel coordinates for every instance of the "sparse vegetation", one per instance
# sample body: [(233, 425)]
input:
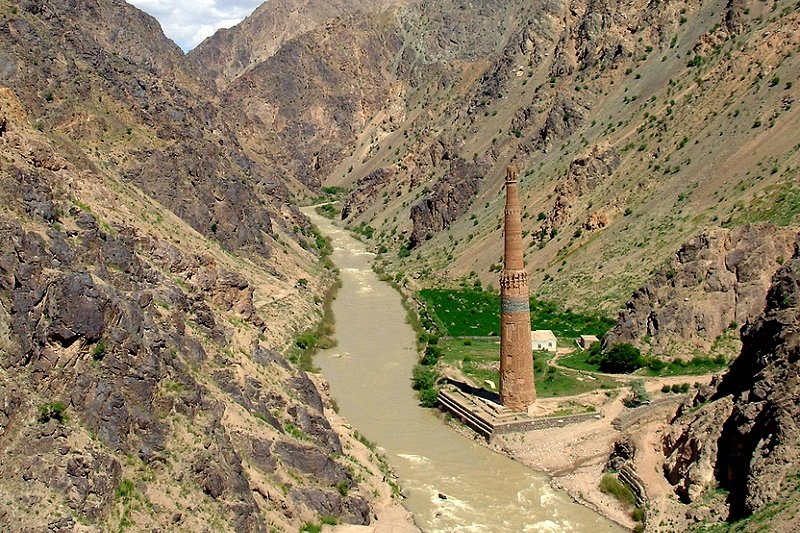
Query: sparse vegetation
[(99, 350), (52, 411), (638, 396)]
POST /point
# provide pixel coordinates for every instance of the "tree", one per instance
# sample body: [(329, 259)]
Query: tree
[(621, 359)]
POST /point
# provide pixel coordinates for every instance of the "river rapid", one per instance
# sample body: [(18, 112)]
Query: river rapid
[(369, 373)]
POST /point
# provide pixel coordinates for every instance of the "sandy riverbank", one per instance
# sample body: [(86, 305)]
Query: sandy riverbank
[(575, 456)]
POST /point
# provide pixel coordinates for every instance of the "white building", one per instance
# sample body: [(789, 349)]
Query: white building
[(543, 340)]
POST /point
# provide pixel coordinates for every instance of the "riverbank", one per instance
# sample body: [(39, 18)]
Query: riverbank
[(388, 513), (575, 456), (450, 483)]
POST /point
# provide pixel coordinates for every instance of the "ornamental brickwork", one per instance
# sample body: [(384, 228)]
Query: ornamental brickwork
[(517, 390)]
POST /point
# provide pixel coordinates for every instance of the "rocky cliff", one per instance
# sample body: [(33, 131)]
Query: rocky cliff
[(449, 198), (618, 113), (148, 282), (742, 436), (715, 283)]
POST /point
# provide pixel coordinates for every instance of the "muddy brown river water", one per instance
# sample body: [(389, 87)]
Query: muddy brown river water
[(369, 375)]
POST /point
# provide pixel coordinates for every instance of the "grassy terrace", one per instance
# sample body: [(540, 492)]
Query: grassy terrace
[(480, 360), (581, 360), (468, 324), (474, 313)]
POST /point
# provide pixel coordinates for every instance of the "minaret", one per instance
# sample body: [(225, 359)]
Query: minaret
[(516, 355)]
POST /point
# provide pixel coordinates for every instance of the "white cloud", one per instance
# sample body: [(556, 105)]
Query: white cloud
[(188, 22)]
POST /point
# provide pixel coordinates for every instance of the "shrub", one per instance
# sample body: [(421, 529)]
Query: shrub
[(99, 350), (306, 341), (423, 377), (638, 396), (665, 388), (595, 352), (621, 358), (676, 388), (429, 397), (125, 490), (432, 355), (52, 411), (614, 487), (684, 387), (655, 364)]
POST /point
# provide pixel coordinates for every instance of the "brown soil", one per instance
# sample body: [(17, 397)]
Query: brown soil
[(576, 455)]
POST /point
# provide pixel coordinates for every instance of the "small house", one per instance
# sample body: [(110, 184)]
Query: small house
[(543, 340), (586, 341)]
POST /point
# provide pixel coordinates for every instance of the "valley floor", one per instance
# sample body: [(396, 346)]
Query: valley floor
[(576, 455)]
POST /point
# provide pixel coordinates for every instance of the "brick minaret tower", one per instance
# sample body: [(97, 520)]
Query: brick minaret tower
[(516, 355)]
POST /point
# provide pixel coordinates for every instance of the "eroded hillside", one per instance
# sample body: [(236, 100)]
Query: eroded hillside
[(149, 278), (639, 124)]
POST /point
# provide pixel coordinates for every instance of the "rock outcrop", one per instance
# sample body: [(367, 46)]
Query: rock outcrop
[(367, 190), (141, 303), (449, 198), (586, 172), (714, 283), (745, 435)]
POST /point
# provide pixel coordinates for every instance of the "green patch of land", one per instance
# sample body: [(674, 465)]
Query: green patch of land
[(479, 359), (475, 313), (583, 360), (779, 203)]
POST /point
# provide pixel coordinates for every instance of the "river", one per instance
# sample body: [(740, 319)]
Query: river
[(369, 374)]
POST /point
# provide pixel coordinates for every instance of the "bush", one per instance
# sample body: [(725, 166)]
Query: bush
[(52, 411), (614, 487), (432, 355), (638, 396), (622, 358), (423, 377), (429, 397), (99, 350), (684, 387), (595, 352), (306, 341), (665, 388)]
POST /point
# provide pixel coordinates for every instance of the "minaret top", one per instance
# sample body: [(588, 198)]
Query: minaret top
[(512, 173)]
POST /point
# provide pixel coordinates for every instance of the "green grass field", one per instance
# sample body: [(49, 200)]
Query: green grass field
[(480, 360), (679, 367), (474, 313)]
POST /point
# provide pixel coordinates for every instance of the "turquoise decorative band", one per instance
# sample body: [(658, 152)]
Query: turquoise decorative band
[(514, 304)]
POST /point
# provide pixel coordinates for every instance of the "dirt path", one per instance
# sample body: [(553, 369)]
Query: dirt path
[(652, 383)]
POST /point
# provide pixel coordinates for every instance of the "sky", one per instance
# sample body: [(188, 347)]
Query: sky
[(188, 22)]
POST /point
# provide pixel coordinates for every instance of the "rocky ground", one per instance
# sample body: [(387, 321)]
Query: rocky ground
[(715, 283), (576, 455), (150, 276), (154, 265)]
